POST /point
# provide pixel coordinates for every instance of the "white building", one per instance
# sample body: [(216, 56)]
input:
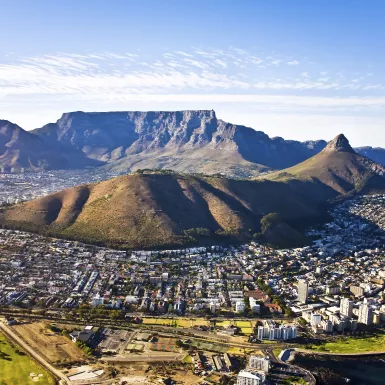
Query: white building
[(240, 306), (303, 291), (272, 332), (259, 363), (254, 306), (346, 307), (315, 320), (250, 377), (365, 314)]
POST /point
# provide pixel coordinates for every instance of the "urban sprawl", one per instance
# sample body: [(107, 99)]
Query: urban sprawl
[(336, 285)]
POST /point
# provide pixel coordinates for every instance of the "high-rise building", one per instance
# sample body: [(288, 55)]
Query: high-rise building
[(259, 363), (346, 307), (250, 377), (365, 314), (271, 331), (303, 291)]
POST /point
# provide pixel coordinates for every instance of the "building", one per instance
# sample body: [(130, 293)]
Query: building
[(271, 331), (259, 363), (250, 377), (331, 290), (85, 335), (365, 314), (346, 307), (315, 320), (254, 306), (358, 291), (303, 291), (240, 307)]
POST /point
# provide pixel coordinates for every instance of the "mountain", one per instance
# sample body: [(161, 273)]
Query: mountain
[(185, 141), (339, 167), (22, 149), (159, 209), (376, 154)]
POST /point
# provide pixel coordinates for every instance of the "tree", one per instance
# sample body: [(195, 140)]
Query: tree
[(269, 221)]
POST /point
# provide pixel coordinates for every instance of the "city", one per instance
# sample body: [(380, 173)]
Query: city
[(247, 295)]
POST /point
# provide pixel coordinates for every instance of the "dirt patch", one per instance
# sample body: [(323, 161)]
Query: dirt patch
[(55, 347)]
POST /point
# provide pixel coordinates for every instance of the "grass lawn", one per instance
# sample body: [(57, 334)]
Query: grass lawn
[(16, 368), (351, 345), (277, 351), (176, 322)]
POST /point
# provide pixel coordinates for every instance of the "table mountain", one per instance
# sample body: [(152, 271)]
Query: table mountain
[(184, 141)]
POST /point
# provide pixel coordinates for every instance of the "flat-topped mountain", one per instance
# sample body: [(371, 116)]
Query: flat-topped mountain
[(184, 141), (154, 209)]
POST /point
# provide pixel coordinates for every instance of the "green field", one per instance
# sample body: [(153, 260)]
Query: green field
[(176, 322), (16, 368), (350, 345)]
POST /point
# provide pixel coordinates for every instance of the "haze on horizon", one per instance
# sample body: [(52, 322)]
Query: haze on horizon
[(301, 70)]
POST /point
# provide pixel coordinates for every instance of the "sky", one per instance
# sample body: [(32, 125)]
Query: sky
[(298, 69)]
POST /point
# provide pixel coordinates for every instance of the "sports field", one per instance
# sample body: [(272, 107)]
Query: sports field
[(16, 368), (176, 322), (135, 347), (164, 345)]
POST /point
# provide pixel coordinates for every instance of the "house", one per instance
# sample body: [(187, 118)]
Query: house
[(85, 335)]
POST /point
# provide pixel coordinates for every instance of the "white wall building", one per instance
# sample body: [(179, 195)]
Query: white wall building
[(259, 363), (250, 377), (346, 307)]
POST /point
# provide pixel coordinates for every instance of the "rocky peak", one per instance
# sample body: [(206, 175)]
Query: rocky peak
[(339, 144)]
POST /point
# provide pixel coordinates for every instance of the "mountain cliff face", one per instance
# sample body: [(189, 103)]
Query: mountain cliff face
[(185, 141), (188, 141), (22, 149)]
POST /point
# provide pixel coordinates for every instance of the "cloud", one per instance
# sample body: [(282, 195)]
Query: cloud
[(293, 63)]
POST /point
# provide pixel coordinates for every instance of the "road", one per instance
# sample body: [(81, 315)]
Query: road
[(145, 358), (11, 334), (285, 370)]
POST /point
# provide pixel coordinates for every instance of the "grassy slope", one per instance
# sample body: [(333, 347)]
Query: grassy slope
[(153, 210), (341, 171), (352, 345), (15, 369)]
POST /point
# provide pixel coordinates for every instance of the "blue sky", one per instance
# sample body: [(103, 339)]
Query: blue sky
[(294, 68)]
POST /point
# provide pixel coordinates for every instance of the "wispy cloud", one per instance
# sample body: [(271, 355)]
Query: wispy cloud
[(293, 62), (232, 75)]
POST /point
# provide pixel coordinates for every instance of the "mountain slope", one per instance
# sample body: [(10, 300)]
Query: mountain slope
[(21, 149), (157, 209), (376, 154), (337, 166), (185, 141)]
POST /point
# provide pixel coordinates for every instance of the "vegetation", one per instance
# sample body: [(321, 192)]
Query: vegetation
[(160, 209), (16, 367), (351, 345)]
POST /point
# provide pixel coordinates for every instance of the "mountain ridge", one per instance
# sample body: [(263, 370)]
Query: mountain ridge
[(188, 141), (152, 209)]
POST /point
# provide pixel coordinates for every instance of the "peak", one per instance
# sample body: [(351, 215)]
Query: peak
[(340, 144)]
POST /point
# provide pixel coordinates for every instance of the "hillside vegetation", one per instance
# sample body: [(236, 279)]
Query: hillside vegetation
[(161, 209)]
